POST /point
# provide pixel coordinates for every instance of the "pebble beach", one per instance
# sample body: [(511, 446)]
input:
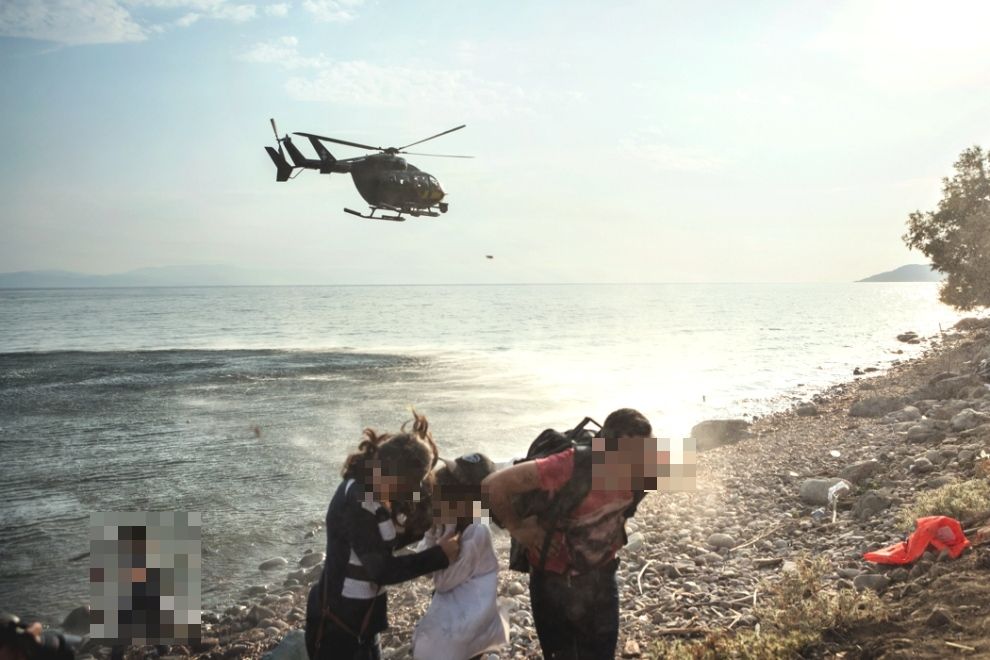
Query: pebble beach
[(699, 562)]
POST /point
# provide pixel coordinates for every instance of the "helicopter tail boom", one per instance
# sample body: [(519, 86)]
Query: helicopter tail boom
[(283, 169)]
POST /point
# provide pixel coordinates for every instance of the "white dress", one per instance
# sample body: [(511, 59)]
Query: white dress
[(463, 619)]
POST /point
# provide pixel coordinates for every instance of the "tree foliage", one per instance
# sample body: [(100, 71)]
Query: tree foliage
[(956, 237)]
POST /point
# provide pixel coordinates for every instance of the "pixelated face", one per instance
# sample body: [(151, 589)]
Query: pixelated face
[(627, 463), (451, 504), (387, 483)]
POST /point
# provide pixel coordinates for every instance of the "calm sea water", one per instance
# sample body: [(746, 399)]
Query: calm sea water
[(148, 399)]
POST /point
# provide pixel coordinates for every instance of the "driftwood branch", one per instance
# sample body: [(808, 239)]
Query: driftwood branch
[(639, 577)]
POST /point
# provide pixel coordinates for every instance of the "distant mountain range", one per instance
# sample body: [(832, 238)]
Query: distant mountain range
[(908, 273), (217, 275), (163, 276)]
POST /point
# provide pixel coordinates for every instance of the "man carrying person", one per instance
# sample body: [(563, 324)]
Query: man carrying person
[(573, 590)]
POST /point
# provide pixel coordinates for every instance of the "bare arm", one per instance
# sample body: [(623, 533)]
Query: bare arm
[(499, 488)]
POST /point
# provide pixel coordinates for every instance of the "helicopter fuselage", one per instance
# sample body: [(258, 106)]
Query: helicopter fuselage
[(389, 181)]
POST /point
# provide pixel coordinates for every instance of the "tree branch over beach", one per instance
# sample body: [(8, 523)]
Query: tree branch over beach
[(956, 237)]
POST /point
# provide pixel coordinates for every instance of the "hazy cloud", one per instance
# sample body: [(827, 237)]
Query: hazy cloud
[(650, 147), (77, 22), (332, 10), (69, 21), (363, 83), (283, 52), (279, 9)]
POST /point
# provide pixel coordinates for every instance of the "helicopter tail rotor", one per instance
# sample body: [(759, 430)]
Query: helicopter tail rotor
[(277, 139)]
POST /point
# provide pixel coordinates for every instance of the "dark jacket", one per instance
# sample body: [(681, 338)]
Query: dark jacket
[(361, 538)]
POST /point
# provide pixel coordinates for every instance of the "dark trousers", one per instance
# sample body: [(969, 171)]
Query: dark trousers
[(337, 644), (576, 618)]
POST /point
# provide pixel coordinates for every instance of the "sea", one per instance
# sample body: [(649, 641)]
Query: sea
[(241, 402)]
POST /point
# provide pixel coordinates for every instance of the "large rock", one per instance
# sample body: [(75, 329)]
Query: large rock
[(857, 473), (77, 622), (292, 647), (815, 491), (714, 433), (968, 419), (806, 409), (972, 323), (272, 564), (876, 406), (947, 388), (905, 414)]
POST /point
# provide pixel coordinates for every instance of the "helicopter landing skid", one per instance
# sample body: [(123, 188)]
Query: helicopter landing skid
[(372, 216)]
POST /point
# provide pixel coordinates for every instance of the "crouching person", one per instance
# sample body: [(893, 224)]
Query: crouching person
[(570, 543), (346, 609)]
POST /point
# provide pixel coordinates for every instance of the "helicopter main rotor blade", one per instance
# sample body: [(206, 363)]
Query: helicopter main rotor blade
[(457, 128), (350, 144), (413, 153)]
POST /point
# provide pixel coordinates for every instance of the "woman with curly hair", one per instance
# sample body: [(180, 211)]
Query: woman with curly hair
[(347, 608)]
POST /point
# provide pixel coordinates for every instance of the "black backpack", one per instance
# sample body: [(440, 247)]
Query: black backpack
[(553, 511)]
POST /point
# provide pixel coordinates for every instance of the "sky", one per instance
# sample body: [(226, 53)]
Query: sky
[(613, 142)]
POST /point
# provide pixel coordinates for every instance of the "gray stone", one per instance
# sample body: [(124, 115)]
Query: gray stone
[(968, 419), (516, 588), (939, 618), (815, 491), (859, 472), (635, 542), (920, 568), (259, 613), (714, 433), (976, 432), (875, 406), (871, 581), (721, 541), (947, 388), (869, 504), (905, 414), (311, 559), (899, 575), (922, 465), (271, 564), (806, 409), (923, 433), (942, 480)]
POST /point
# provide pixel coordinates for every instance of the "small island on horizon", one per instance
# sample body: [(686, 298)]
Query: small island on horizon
[(907, 273)]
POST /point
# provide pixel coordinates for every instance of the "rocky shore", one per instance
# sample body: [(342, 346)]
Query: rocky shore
[(700, 564)]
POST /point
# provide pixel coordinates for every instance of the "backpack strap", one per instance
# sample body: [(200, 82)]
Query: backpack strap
[(570, 495)]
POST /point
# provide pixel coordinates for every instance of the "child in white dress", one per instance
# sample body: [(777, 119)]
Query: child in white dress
[(463, 620)]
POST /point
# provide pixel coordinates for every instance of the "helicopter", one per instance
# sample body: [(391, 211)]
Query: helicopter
[(390, 185)]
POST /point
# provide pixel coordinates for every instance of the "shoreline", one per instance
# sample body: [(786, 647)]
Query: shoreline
[(676, 574)]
